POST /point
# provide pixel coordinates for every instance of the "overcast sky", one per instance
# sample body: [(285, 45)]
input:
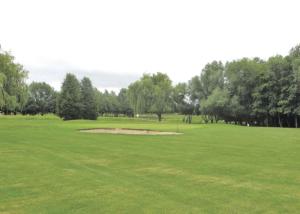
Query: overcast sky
[(115, 41)]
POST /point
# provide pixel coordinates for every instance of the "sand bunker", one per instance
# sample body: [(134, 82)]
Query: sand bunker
[(128, 131)]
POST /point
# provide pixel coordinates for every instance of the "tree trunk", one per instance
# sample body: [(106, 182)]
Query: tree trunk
[(216, 118), (159, 117), (288, 122), (279, 121), (296, 121)]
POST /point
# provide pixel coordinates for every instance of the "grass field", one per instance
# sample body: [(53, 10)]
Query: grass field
[(48, 166)]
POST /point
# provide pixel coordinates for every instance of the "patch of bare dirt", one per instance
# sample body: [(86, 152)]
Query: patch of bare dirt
[(128, 131)]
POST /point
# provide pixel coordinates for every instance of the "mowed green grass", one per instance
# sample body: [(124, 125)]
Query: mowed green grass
[(47, 166)]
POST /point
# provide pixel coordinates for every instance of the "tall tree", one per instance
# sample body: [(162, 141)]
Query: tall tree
[(124, 103), (241, 80), (2, 101), (151, 94), (12, 84), (195, 89), (279, 71), (261, 99), (294, 88), (99, 101), (70, 98), (113, 102), (140, 94), (161, 94), (216, 104), (212, 77), (88, 100)]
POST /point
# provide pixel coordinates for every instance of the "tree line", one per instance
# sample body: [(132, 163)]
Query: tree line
[(251, 91), (245, 91)]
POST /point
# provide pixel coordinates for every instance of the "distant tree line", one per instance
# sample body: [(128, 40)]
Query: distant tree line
[(245, 91)]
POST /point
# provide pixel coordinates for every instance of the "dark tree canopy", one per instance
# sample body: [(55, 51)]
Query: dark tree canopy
[(41, 99), (124, 108), (69, 104), (89, 109)]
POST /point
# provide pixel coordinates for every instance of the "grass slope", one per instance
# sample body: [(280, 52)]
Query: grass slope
[(47, 166)]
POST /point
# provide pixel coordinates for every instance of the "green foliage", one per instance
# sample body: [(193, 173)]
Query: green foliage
[(41, 100), (124, 103), (195, 89), (279, 81), (70, 98), (216, 104), (295, 52), (13, 92), (151, 94), (182, 102), (246, 91), (2, 92), (109, 103), (212, 77), (162, 88), (140, 95), (88, 100), (254, 91), (242, 77)]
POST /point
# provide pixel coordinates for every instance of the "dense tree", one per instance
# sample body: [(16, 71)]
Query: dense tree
[(216, 104), (2, 101), (113, 103), (99, 100), (41, 99), (140, 95), (235, 110), (69, 104), (179, 96), (245, 91), (212, 77), (151, 94), (242, 77), (124, 106), (13, 90), (251, 91), (195, 89), (294, 88), (261, 99), (109, 103), (279, 80), (162, 87), (88, 100)]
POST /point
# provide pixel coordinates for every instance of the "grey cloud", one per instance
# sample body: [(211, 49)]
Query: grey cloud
[(101, 79)]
